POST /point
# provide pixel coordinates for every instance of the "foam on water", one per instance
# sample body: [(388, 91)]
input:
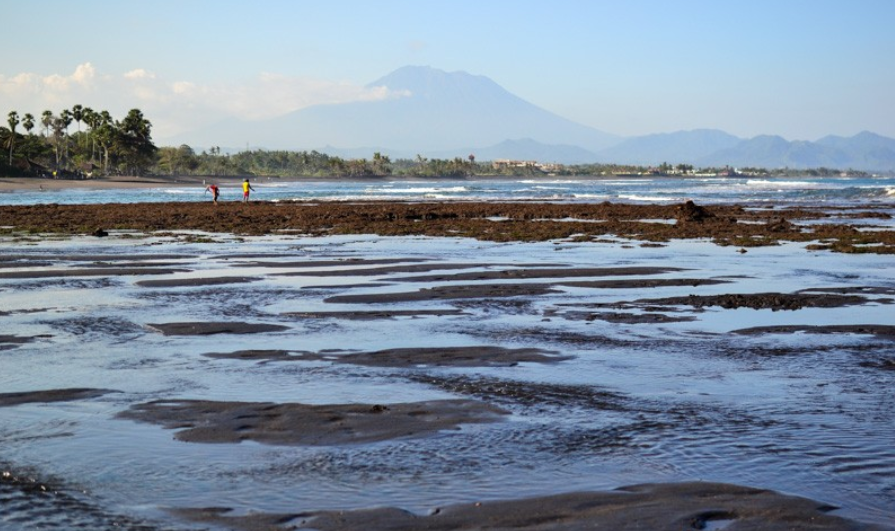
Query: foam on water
[(831, 191)]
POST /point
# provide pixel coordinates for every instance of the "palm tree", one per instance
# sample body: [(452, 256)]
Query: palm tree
[(134, 142), (58, 125), (90, 118), (28, 122), (103, 134), (77, 112), (66, 118), (13, 121), (46, 119)]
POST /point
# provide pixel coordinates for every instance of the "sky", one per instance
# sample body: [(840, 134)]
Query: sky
[(801, 69)]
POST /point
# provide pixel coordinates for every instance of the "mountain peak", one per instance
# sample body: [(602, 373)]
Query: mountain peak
[(409, 75), (428, 82)]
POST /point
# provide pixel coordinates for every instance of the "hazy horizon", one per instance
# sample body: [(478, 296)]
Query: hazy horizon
[(801, 70)]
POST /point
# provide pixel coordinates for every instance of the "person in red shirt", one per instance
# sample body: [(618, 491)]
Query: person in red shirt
[(215, 192)]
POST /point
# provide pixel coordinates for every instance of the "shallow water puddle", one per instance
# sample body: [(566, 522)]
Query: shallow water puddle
[(598, 390)]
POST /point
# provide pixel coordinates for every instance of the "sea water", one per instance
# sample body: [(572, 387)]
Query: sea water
[(805, 190)]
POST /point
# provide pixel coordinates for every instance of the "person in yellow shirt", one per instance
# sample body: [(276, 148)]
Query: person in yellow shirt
[(246, 187)]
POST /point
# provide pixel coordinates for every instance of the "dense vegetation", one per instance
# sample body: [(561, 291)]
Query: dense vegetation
[(107, 147)]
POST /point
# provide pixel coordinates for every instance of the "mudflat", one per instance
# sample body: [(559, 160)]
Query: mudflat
[(493, 221), (555, 361), (648, 507)]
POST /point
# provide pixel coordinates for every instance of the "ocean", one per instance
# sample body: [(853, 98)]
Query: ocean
[(845, 191)]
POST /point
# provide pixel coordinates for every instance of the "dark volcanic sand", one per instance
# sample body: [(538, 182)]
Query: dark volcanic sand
[(9, 342), (481, 356), (488, 291), (650, 507), (530, 273), (195, 282), (90, 272), (50, 395), (209, 328), (756, 301), (629, 283), (384, 270), (880, 331), (303, 424), (472, 291), (725, 224), (367, 315)]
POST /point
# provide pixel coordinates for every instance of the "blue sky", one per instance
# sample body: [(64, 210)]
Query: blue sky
[(797, 68)]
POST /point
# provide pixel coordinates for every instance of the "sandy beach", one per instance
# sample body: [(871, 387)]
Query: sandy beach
[(8, 184), (123, 182), (439, 365)]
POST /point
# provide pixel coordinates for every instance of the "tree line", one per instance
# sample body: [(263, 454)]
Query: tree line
[(104, 146), (100, 144), (184, 160)]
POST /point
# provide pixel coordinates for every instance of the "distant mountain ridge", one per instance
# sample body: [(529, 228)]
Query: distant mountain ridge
[(680, 147), (441, 114), (863, 151)]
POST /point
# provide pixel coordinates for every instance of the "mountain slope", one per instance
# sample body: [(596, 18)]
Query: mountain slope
[(440, 114), (528, 149), (769, 151), (435, 110), (678, 147), (865, 150)]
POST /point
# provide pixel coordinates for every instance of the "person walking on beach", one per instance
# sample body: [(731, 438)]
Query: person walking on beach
[(215, 192), (245, 190)]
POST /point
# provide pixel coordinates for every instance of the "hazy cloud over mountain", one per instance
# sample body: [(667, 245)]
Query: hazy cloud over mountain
[(177, 106), (429, 110)]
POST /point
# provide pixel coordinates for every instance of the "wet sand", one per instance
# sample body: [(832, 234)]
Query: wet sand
[(202, 328), (757, 301), (685, 506), (487, 399), (304, 424), (119, 182), (51, 395), (483, 356)]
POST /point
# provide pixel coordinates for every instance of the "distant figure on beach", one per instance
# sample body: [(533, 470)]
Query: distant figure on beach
[(215, 192), (245, 190)]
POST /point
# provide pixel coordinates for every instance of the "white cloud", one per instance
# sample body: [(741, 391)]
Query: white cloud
[(84, 74), (176, 106), (139, 74)]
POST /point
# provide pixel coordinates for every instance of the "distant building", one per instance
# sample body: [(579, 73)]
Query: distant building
[(503, 164)]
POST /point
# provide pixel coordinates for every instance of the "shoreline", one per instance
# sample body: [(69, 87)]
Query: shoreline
[(22, 184), (14, 184)]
